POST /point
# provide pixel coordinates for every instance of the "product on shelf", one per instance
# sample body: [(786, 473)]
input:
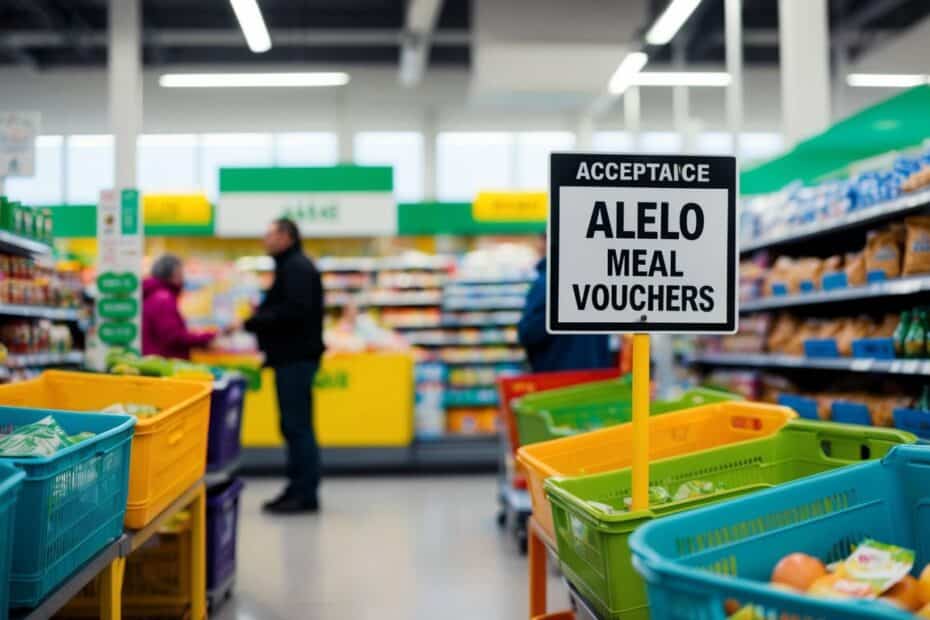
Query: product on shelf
[(21, 337), (917, 245), (883, 250), (855, 269)]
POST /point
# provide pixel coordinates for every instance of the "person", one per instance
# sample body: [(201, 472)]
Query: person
[(164, 331), (547, 352), (289, 327)]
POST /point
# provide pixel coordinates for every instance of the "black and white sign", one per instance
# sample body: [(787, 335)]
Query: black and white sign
[(642, 243)]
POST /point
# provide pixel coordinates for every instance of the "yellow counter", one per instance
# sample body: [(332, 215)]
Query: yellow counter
[(360, 400)]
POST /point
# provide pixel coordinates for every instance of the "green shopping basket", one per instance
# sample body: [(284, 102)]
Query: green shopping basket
[(568, 411), (592, 525)]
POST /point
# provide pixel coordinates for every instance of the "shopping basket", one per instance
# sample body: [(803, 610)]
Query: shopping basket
[(169, 450), (671, 434), (593, 526), (11, 479), (695, 561), (569, 411), (71, 504), (226, 403)]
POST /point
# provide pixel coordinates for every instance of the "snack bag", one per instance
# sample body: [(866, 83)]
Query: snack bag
[(855, 269), (917, 245), (883, 252), (783, 330), (877, 565), (42, 438)]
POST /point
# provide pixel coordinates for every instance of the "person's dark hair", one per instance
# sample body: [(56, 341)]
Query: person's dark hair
[(288, 226), (164, 267)]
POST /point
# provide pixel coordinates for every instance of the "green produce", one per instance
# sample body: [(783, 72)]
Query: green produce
[(139, 410), (42, 439)]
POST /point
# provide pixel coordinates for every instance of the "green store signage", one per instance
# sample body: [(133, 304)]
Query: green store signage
[(118, 307), (110, 283), (118, 334)]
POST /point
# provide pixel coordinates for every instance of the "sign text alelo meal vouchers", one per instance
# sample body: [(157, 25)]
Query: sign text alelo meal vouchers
[(642, 243)]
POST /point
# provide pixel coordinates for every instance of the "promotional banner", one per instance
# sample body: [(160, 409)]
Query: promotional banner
[(337, 201), (119, 271)]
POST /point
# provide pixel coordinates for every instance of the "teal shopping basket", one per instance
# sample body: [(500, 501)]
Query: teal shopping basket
[(695, 561), (71, 504), (11, 479)]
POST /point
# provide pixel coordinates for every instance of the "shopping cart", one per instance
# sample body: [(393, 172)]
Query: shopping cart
[(513, 497), (695, 561)]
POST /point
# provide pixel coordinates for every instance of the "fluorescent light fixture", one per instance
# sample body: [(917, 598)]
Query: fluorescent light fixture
[(252, 80), (670, 21), (252, 24), (682, 78), (625, 74), (887, 80)]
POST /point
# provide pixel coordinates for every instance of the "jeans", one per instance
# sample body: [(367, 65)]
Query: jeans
[(294, 385)]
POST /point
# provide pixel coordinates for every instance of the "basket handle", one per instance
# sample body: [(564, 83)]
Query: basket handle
[(855, 442)]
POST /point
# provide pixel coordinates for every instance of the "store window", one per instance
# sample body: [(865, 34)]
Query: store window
[(660, 142), (612, 141), (757, 146), (470, 161), (89, 168), (228, 150), (317, 148), (46, 186), (715, 143), (401, 149), (533, 149), (168, 163)]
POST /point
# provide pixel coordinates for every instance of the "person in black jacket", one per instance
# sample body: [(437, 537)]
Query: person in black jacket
[(289, 327)]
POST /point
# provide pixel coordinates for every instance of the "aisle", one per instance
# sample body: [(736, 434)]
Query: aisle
[(406, 548)]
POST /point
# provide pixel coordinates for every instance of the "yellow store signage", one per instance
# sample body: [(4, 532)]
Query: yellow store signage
[(510, 207), (177, 209)]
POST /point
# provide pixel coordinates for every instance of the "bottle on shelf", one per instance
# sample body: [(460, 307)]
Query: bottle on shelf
[(900, 333), (915, 342)]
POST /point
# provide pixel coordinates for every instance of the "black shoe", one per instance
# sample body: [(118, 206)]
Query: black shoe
[(283, 497), (294, 506)]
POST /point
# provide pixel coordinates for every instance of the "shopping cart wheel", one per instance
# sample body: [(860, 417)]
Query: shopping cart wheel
[(501, 518)]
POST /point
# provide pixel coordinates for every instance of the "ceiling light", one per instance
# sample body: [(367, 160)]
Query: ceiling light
[(670, 21), (252, 80), (252, 24), (887, 80), (682, 78), (624, 75)]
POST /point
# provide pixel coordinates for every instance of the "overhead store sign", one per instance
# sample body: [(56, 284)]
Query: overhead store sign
[(177, 209), (642, 243), (338, 201), (511, 207), (18, 131)]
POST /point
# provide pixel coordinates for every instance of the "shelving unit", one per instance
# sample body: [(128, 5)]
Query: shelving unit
[(888, 288), (40, 312), (911, 367)]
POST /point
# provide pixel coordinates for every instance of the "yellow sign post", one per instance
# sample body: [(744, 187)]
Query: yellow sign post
[(640, 421)]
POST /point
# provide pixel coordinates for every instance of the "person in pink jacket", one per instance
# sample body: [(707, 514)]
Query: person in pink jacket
[(164, 331)]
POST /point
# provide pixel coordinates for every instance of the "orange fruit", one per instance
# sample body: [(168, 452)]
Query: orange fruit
[(924, 611), (904, 594), (798, 570), (923, 585), (731, 606)]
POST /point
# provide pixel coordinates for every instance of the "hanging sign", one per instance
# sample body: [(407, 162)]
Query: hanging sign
[(642, 243), (18, 131), (120, 247)]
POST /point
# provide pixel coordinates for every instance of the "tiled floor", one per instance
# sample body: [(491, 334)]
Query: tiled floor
[(397, 548)]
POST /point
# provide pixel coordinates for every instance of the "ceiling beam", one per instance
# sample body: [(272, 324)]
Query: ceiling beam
[(419, 24), (869, 12), (67, 22), (293, 37)]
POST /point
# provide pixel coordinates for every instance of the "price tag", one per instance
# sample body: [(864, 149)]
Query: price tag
[(862, 365)]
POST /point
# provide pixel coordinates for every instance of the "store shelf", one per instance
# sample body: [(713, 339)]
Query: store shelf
[(458, 342), (860, 218), (919, 367), (888, 288), (40, 312), (10, 242), (478, 362), (492, 281), (473, 304), (35, 360)]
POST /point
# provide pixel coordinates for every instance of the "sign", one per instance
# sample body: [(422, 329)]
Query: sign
[(335, 201), (176, 209), (18, 131), (511, 207), (642, 243), (119, 264)]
